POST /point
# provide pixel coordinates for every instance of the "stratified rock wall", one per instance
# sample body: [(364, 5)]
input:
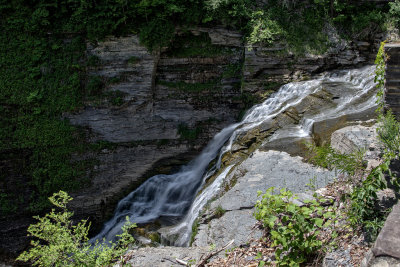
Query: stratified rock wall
[(172, 102), (392, 84), (171, 105)]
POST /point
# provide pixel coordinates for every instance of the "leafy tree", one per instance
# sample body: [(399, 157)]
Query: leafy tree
[(61, 243), (394, 12)]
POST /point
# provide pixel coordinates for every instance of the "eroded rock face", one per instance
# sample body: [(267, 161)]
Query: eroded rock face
[(150, 96), (120, 170), (163, 94), (170, 105), (272, 64)]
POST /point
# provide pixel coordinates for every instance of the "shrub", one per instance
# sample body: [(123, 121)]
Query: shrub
[(362, 212), (394, 12), (389, 134), (60, 243), (327, 157), (292, 229)]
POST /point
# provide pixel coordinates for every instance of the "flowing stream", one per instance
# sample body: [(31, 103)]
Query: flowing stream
[(174, 195)]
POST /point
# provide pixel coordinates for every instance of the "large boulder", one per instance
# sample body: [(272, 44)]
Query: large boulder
[(262, 170), (388, 241)]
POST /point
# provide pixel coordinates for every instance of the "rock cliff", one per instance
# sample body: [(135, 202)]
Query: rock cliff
[(156, 110), (167, 104)]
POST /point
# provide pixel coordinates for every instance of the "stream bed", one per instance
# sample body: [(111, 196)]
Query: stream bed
[(175, 198)]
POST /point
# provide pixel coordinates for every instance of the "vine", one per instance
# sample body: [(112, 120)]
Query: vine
[(380, 76)]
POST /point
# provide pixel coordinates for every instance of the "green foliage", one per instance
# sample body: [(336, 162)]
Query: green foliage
[(299, 24), (263, 29), (292, 229), (363, 212), (219, 211), (188, 134), (94, 86), (157, 34), (58, 242), (232, 70), (326, 157), (116, 98), (7, 205), (363, 198), (195, 230), (189, 45), (380, 76), (133, 60), (394, 12), (389, 134), (41, 79)]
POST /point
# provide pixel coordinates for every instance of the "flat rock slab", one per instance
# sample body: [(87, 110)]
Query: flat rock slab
[(260, 171), (236, 224), (388, 241), (263, 170), (164, 256)]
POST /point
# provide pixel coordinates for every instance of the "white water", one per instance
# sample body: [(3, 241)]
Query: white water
[(182, 230), (165, 195), (173, 195)]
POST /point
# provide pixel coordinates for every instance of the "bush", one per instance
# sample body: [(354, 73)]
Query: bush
[(389, 134), (362, 212), (327, 157), (394, 12), (292, 229), (60, 243)]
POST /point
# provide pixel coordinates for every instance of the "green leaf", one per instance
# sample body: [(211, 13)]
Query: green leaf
[(318, 222)]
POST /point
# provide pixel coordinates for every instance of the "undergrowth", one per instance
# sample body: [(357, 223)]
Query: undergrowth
[(294, 231), (59, 242)]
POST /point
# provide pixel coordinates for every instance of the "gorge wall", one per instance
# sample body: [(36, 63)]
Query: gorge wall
[(392, 83), (157, 110), (172, 102)]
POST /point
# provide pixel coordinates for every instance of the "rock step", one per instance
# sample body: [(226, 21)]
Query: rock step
[(165, 256), (388, 241)]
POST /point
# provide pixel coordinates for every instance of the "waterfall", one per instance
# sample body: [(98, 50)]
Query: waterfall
[(174, 195), (165, 195)]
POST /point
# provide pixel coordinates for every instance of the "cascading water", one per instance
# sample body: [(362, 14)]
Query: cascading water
[(172, 195), (165, 195)]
